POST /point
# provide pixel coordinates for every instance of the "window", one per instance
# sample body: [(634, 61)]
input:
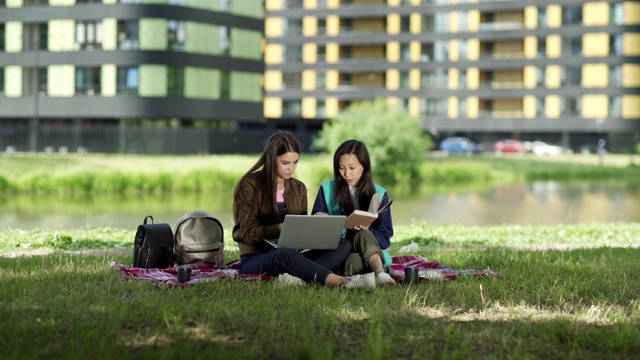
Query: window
[(35, 36), (433, 107), (540, 76), (292, 80), (616, 45), (321, 79), (291, 108), (322, 26), (542, 17), (540, 106), (571, 15), (292, 4), (225, 85), (442, 22), (463, 21), (321, 110), (434, 79), (321, 54), (292, 27), (462, 107), (441, 51), (428, 22), (1, 81), (616, 14), (615, 106), (571, 76), (462, 50), (615, 75), (127, 81), (223, 40), (405, 24), (427, 53), (2, 46), (292, 53), (175, 81), (176, 35), (542, 47), (405, 52), (128, 35), (572, 45), (34, 81), (571, 106), (88, 35), (88, 81), (404, 79), (462, 79)]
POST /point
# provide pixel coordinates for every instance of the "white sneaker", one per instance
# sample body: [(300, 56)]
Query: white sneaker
[(365, 281), (289, 280), (384, 279)]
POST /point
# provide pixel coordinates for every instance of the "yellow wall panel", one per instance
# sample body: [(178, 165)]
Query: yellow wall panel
[(272, 80), (630, 75), (310, 4), (473, 105), (309, 80), (595, 75), (552, 106), (595, 44), (529, 107), (452, 111), (393, 24), (272, 107), (530, 47), (631, 12), (552, 76), (415, 23), (309, 25), (332, 53), (595, 13), (554, 49), (454, 54), (333, 25), (273, 27), (415, 48), (309, 53), (454, 22), (332, 80), (473, 78), (595, 106), (308, 110), (393, 79), (331, 107), (554, 16), (530, 17), (393, 51), (473, 49), (108, 80), (414, 79), (453, 79), (631, 106), (414, 106), (273, 54), (631, 44), (473, 17), (273, 4), (529, 77)]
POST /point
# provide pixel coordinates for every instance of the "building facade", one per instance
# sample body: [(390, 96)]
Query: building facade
[(565, 71), (145, 76)]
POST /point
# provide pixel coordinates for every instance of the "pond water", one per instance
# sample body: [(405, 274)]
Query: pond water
[(537, 203)]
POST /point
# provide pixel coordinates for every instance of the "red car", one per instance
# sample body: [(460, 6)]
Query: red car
[(509, 146)]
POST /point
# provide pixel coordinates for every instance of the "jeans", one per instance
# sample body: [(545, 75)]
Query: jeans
[(312, 266)]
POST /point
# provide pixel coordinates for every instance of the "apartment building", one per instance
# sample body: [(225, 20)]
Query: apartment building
[(565, 71), (150, 76)]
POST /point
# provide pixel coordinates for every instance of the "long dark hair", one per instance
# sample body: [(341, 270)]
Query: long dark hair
[(364, 189), (279, 143)]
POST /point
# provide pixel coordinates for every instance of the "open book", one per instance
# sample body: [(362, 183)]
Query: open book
[(365, 218)]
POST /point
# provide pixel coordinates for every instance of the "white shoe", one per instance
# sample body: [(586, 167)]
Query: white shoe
[(384, 279), (365, 281), (289, 280), (434, 275)]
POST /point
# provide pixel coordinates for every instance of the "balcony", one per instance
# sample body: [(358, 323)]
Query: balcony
[(501, 26)]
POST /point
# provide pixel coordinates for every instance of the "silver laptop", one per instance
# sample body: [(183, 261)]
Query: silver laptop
[(310, 232)]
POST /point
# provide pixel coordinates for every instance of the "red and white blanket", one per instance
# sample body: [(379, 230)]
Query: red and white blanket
[(207, 273)]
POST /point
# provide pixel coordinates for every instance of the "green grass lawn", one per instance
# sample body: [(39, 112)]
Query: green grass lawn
[(580, 302)]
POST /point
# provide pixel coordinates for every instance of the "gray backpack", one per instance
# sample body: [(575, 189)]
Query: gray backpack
[(198, 237)]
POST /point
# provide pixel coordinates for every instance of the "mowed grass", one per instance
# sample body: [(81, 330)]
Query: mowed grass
[(549, 303)]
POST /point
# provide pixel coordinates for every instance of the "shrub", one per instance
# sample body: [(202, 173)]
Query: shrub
[(393, 137)]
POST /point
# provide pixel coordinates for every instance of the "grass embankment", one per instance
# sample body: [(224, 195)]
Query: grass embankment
[(131, 174), (581, 303)]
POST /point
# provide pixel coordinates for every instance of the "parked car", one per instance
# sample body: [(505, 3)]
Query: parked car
[(542, 148), (460, 145), (509, 146)]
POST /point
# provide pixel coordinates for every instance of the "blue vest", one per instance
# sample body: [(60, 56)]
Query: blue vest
[(334, 209)]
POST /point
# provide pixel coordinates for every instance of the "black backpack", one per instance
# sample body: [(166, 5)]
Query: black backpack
[(153, 245)]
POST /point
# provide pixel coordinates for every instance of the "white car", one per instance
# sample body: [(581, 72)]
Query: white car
[(542, 148)]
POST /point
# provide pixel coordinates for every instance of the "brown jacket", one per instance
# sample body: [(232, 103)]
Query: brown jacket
[(250, 228)]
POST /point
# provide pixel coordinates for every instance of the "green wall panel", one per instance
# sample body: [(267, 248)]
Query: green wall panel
[(204, 4), (153, 34), (252, 8), (109, 34), (108, 74), (202, 38), (61, 80), (245, 44), (245, 86), (61, 35), (14, 3), (13, 81), (201, 83), (13, 36), (153, 80)]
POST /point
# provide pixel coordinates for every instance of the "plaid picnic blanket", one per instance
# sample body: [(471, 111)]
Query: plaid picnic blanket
[(202, 272)]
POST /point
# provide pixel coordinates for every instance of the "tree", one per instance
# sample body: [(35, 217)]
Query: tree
[(394, 138)]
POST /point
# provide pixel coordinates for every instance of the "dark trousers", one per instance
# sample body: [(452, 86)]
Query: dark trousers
[(312, 266), (364, 247)]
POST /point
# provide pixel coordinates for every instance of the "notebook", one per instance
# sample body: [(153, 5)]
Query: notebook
[(310, 232)]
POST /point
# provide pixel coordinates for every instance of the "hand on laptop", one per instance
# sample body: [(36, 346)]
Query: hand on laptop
[(321, 213)]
